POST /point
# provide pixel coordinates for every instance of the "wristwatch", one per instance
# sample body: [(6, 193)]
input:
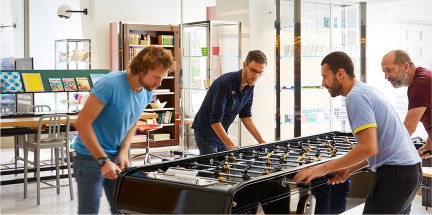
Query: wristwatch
[(101, 161)]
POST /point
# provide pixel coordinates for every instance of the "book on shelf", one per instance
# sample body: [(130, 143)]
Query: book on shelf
[(139, 138), (160, 118), (167, 117), (56, 84), (83, 84), (33, 82), (11, 82), (160, 136), (69, 84), (165, 39)]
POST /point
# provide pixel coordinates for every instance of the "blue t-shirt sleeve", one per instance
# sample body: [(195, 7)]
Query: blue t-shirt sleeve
[(247, 109), (219, 102), (104, 90), (360, 112)]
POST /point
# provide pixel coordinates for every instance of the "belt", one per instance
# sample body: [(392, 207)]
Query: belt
[(400, 168)]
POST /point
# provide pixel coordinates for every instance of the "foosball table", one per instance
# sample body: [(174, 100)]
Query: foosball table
[(234, 181)]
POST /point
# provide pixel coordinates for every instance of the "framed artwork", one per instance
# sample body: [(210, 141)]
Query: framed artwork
[(33, 82)]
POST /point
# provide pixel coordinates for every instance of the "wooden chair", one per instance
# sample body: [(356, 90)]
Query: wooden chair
[(55, 141)]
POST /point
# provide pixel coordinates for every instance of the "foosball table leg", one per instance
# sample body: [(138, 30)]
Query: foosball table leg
[(306, 204)]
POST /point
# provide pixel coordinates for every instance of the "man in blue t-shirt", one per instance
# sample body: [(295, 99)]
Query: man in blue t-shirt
[(229, 95), (106, 125), (383, 142)]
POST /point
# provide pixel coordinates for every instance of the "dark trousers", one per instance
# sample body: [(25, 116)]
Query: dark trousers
[(207, 145), (330, 199), (393, 189)]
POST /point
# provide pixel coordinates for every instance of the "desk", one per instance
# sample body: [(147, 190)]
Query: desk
[(427, 187), (427, 172), (34, 121), (26, 125)]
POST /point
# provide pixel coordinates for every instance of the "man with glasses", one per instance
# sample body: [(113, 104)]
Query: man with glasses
[(229, 95)]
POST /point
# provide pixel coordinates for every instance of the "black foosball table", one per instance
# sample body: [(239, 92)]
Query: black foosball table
[(234, 181)]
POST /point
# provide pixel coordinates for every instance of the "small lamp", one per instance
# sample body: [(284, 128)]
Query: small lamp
[(65, 12)]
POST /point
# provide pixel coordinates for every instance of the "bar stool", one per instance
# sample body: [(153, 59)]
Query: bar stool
[(147, 155)]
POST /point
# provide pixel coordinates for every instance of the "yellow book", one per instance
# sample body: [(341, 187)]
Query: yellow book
[(33, 82)]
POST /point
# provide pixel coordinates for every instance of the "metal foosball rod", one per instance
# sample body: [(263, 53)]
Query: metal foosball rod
[(234, 169), (311, 145), (315, 149), (245, 176), (340, 144), (251, 166), (276, 159), (329, 143)]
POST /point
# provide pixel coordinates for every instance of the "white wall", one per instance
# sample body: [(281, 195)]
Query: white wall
[(390, 27), (262, 37), (12, 39), (196, 10), (257, 20), (46, 27)]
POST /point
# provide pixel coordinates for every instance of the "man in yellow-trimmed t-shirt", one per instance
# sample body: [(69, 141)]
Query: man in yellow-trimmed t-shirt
[(383, 142)]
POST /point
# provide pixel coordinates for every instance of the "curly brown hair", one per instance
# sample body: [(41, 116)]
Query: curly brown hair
[(151, 57)]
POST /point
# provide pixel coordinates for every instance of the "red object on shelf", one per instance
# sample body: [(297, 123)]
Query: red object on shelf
[(216, 50), (148, 127)]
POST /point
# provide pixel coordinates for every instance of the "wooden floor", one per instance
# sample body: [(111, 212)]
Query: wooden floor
[(12, 201)]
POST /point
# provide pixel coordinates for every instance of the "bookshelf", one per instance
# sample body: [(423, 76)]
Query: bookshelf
[(131, 39)]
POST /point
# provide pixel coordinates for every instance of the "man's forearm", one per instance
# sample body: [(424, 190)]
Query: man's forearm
[(124, 148), (220, 132), (354, 159), (359, 166)]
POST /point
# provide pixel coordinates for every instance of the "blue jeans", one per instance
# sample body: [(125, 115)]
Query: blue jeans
[(330, 199), (207, 145), (90, 182)]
